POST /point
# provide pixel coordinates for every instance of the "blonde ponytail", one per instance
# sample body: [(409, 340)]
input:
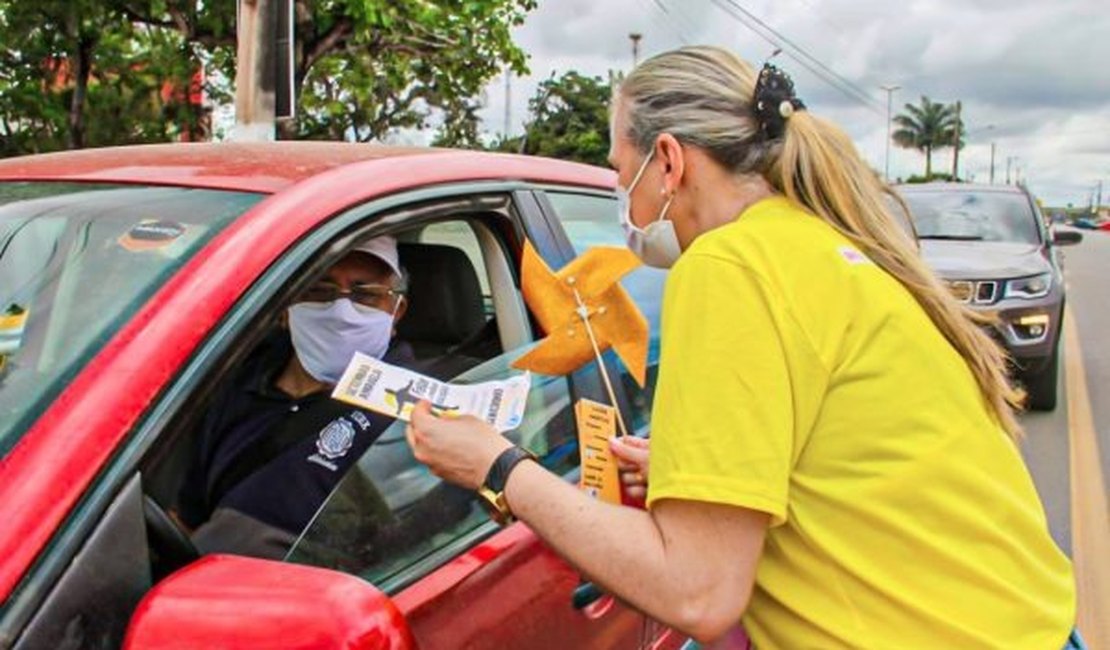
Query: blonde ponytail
[(820, 168), (703, 97)]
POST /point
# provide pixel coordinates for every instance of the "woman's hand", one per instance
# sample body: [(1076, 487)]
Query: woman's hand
[(457, 449), (632, 462)]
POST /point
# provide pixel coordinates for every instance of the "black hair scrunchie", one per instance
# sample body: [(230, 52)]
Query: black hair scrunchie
[(774, 101)]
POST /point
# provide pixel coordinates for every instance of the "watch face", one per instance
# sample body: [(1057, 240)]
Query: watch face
[(495, 505)]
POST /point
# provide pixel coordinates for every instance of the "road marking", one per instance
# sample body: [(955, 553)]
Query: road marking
[(1090, 517)]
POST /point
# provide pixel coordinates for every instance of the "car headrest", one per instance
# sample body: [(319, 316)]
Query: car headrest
[(445, 298)]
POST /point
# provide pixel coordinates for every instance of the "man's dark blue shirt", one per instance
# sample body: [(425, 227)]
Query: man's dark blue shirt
[(288, 489)]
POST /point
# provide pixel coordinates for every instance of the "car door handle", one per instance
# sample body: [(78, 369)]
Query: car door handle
[(586, 594)]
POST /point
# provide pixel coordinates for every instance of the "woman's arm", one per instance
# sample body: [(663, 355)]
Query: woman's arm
[(688, 564)]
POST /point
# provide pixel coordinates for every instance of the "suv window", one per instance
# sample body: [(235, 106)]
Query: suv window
[(591, 220), (390, 520), (973, 216)]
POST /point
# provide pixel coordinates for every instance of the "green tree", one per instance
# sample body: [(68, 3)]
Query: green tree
[(76, 73), (570, 120), (365, 68), (926, 127), (362, 68)]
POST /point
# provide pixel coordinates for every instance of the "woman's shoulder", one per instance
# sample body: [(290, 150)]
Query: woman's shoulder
[(775, 233)]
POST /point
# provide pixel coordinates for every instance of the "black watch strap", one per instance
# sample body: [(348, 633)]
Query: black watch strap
[(499, 472)]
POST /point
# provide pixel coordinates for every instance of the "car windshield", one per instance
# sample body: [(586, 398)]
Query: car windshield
[(973, 216), (77, 260)]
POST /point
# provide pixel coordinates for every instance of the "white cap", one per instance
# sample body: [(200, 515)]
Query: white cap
[(385, 249)]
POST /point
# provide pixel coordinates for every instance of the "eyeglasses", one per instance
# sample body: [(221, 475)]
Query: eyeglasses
[(370, 295)]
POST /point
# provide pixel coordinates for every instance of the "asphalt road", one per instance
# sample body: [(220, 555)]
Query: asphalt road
[(1087, 267), (1068, 450)]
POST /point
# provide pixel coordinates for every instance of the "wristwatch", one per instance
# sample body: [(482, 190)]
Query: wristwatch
[(491, 494)]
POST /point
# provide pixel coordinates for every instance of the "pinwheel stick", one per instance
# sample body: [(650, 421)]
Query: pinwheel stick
[(584, 313)]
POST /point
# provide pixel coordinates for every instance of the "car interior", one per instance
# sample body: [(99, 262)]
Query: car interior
[(464, 310)]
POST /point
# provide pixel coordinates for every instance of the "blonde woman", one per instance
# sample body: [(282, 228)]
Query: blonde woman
[(833, 452)]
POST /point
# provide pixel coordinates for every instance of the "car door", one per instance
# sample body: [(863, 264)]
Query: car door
[(460, 581), (88, 258), (582, 219)]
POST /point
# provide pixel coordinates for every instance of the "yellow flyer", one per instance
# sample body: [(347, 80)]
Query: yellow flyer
[(596, 424)]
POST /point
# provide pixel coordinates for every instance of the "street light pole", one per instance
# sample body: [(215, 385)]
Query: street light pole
[(886, 160), (635, 38), (992, 162), (956, 146)]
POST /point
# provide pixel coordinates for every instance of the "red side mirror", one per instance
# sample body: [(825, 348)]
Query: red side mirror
[(226, 601)]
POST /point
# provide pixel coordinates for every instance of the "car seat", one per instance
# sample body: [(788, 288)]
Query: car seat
[(445, 321)]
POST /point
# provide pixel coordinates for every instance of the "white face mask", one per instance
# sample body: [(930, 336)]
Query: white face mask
[(656, 245), (326, 335)]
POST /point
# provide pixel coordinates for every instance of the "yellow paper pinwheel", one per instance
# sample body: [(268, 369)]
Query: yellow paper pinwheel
[(587, 289)]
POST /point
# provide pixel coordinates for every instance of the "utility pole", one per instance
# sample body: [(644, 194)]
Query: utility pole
[(255, 72), (508, 100), (956, 145), (992, 162), (886, 164), (541, 106), (635, 38), (1009, 159)]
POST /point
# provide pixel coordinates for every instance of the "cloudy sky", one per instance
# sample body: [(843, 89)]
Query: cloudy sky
[(1033, 76)]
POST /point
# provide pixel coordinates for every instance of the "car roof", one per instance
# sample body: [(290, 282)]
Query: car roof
[(269, 167)]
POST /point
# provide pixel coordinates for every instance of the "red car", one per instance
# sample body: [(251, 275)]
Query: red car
[(134, 280)]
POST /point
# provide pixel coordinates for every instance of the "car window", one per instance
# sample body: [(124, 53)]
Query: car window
[(390, 520), (459, 234), (591, 220), (76, 262), (973, 216)]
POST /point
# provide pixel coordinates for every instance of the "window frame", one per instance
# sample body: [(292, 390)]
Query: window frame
[(625, 399), (407, 574)]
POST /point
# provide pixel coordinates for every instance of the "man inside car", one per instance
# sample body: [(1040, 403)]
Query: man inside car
[(273, 445)]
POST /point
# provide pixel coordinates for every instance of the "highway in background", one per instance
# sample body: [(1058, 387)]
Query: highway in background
[(1068, 450)]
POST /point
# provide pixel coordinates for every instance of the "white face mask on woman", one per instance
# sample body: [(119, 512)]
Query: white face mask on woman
[(656, 245), (326, 335)]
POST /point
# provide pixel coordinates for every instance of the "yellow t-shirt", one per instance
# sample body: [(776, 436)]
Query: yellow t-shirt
[(799, 379)]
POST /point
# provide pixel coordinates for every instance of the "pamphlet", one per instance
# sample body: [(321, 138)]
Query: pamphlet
[(383, 388)]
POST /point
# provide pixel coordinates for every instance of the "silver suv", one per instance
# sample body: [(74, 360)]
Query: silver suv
[(992, 246)]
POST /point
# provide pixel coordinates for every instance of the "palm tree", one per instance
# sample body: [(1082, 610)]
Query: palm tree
[(930, 126)]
